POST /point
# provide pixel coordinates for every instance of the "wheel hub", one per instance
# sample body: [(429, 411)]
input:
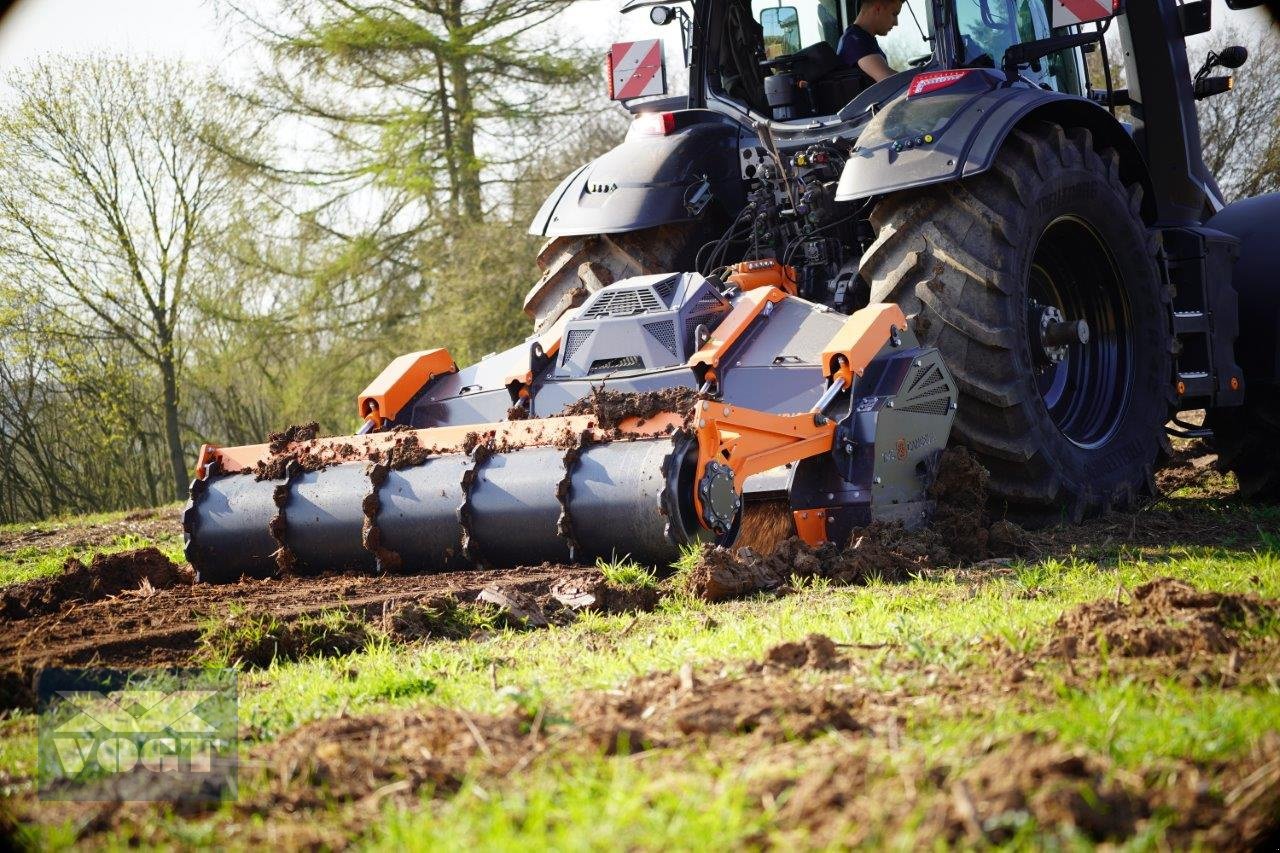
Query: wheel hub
[(720, 500), (1052, 334)]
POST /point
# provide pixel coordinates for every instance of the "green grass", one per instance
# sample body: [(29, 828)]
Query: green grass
[(933, 626), (625, 573), (31, 562)]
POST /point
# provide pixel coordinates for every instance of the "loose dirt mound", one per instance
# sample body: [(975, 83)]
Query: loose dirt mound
[(766, 702), (1162, 618), (610, 408), (1056, 787), (881, 550), (958, 532), (366, 759), (256, 638), (106, 575), (145, 524)]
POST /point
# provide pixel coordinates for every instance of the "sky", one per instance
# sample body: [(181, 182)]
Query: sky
[(192, 30)]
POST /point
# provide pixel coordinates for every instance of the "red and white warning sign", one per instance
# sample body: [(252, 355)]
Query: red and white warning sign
[(636, 69), (1067, 12)]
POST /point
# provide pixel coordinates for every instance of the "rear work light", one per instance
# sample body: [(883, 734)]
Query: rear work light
[(932, 81), (654, 124)]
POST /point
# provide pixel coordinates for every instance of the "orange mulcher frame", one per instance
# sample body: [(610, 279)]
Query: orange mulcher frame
[(750, 442)]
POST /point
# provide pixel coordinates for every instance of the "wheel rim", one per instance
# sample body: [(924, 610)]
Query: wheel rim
[(1073, 276)]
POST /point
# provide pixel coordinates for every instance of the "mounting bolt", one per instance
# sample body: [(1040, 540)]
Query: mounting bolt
[(889, 404), (876, 481), (727, 410)]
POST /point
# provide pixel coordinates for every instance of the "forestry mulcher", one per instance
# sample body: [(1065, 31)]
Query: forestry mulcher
[(794, 286)]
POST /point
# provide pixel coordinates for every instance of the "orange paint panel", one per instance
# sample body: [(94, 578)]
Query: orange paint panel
[(400, 380), (859, 340), (750, 275), (737, 321), (811, 525), (749, 441), (530, 433)]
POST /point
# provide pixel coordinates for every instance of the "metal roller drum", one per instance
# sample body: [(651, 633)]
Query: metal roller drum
[(624, 499), (226, 528)]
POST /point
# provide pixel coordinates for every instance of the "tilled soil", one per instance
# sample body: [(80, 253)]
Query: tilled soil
[(149, 626), (610, 408), (803, 704), (145, 524)]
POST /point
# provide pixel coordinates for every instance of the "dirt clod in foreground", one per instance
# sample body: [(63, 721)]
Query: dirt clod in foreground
[(958, 532), (610, 408), (1164, 617), (143, 571)]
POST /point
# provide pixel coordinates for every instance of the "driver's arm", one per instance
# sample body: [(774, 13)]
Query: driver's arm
[(875, 67)]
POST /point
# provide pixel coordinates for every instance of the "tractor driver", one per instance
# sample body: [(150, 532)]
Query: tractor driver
[(858, 46)]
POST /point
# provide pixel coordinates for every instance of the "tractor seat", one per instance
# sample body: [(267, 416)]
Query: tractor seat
[(831, 83)]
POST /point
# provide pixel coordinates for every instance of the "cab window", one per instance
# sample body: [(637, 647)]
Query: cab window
[(989, 27)]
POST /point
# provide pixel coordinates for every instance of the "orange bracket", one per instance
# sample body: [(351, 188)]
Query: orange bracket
[(753, 303), (749, 441), (400, 381), (549, 344), (861, 337), (749, 275)]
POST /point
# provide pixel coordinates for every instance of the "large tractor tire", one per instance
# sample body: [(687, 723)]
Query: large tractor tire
[(573, 267), (1246, 438), (997, 270)]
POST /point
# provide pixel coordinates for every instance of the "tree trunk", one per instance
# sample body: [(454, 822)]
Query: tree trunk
[(464, 155), (172, 434)]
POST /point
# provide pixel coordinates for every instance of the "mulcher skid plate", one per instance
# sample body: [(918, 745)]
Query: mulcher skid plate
[(750, 395)]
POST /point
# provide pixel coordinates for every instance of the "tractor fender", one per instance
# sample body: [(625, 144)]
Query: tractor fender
[(649, 180), (1255, 222), (954, 133)]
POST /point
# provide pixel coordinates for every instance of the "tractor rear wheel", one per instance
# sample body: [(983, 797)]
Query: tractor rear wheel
[(573, 267), (1038, 282)]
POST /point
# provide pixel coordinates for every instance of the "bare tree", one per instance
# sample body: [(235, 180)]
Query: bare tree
[(111, 204)]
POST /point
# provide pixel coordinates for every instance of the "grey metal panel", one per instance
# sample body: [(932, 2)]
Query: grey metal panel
[(795, 329), (642, 182), (324, 519), (552, 396), (231, 536), (782, 389), (418, 514), (515, 507)]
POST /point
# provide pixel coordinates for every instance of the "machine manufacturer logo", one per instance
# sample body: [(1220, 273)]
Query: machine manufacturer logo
[(142, 735), (903, 448)]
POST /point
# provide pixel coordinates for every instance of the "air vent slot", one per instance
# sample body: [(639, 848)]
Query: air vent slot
[(929, 407), (664, 332), (666, 288), (614, 365), (574, 341), (623, 303)]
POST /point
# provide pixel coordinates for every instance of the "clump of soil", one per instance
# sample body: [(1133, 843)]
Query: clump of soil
[(594, 593), (439, 617), (278, 442), (880, 550), (960, 494), (766, 703), (518, 412), (1162, 618), (611, 408), (815, 651), (145, 569), (958, 532), (367, 759), (256, 638), (1056, 787)]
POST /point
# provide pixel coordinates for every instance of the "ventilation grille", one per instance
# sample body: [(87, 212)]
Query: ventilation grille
[(926, 393), (665, 289), (928, 407), (709, 302), (623, 303), (574, 340), (613, 365), (665, 333), (692, 323)]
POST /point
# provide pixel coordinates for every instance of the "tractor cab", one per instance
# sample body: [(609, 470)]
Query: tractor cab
[(779, 60)]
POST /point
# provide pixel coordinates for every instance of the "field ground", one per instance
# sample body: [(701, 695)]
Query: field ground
[(1117, 682)]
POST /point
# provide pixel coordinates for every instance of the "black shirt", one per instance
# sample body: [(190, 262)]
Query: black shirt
[(857, 43)]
